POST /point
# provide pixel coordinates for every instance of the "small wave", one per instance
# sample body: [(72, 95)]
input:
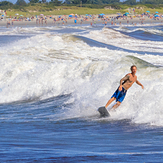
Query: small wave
[(118, 39), (146, 30), (20, 31)]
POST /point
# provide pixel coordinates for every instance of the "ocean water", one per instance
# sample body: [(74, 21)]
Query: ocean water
[(52, 81)]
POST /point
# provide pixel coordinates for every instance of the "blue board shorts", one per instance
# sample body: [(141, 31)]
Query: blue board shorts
[(119, 95)]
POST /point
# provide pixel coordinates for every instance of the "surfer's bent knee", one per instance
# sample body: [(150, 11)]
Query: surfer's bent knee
[(118, 103), (113, 98)]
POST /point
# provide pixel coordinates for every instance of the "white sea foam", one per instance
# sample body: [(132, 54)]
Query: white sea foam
[(20, 31), (113, 37), (39, 30), (48, 65), (151, 30)]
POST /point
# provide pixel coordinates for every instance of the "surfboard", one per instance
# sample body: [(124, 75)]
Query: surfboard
[(103, 112)]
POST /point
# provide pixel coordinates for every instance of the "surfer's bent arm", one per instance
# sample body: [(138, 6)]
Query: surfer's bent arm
[(123, 79), (137, 82)]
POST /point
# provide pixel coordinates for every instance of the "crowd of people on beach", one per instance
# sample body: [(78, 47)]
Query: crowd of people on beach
[(118, 19)]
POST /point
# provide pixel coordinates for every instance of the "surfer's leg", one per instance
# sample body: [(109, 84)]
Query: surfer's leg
[(110, 101), (116, 105)]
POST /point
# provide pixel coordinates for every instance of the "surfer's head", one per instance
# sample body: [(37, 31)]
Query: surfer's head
[(133, 69)]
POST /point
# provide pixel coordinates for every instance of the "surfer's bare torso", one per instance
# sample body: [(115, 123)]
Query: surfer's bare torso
[(128, 81)]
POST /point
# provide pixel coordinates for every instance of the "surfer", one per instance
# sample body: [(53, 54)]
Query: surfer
[(125, 83)]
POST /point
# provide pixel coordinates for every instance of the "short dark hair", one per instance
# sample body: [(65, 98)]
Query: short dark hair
[(132, 67)]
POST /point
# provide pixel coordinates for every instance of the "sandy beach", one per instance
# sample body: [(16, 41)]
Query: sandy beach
[(82, 19)]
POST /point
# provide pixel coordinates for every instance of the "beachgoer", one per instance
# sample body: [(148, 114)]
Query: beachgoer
[(54, 20), (8, 24), (37, 21), (75, 21), (81, 21), (46, 21), (125, 83)]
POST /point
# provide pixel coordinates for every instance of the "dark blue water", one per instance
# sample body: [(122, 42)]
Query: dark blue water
[(29, 134), (37, 130)]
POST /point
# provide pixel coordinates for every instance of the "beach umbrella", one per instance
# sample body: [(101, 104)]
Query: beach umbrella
[(118, 13), (156, 12), (21, 15), (102, 14), (126, 13), (156, 15), (2, 15), (41, 14), (70, 16), (16, 14), (86, 14), (148, 11)]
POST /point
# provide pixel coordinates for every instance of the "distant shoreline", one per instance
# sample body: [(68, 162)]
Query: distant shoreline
[(80, 21)]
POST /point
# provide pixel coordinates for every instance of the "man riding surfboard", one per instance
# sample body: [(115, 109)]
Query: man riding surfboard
[(125, 83)]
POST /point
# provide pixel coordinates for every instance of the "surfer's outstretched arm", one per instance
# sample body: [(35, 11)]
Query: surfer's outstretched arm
[(137, 82)]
